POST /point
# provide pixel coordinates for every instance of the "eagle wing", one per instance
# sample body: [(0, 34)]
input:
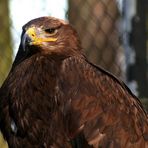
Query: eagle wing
[(99, 107), (29, 116)]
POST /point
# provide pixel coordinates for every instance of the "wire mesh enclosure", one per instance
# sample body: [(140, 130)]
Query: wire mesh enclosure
[(97, 24), (100, 26)]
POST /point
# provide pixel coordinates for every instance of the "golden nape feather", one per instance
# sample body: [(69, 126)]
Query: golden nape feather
[(54, 97)]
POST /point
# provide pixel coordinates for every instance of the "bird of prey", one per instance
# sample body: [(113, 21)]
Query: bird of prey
[(54, 97)]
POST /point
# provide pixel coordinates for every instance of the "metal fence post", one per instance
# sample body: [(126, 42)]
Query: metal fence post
[(139, 43)]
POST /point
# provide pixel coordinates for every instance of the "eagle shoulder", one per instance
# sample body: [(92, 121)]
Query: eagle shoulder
[(100, 106)]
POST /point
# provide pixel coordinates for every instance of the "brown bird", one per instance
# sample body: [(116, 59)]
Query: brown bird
[(54, 97)]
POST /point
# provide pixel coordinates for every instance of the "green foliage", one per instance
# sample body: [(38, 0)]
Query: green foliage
[(5, 40), (3, 144)]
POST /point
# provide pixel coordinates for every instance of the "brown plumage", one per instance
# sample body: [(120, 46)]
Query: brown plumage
[(54, 97)]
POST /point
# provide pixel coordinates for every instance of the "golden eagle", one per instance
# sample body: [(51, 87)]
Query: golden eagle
[(54, 97)]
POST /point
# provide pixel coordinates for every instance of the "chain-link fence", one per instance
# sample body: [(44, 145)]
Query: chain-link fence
[(97, 24)]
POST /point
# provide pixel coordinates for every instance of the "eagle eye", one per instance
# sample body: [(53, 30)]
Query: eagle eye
[(51, 31)]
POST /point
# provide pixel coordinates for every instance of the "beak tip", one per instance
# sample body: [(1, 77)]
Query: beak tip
[(26, 40)]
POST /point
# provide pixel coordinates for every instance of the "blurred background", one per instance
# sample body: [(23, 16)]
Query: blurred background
[(114, 35)]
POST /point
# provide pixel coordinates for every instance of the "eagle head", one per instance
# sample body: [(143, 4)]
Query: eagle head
[(48, 35)]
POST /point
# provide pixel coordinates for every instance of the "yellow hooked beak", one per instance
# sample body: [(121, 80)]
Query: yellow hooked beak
[(35, 40)]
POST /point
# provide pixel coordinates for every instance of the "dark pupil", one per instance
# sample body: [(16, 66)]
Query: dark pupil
[(50, 30)]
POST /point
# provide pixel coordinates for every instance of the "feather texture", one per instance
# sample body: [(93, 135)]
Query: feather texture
[(54, 97)]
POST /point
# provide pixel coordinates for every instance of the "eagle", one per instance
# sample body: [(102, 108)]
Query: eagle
[(54, 97)]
